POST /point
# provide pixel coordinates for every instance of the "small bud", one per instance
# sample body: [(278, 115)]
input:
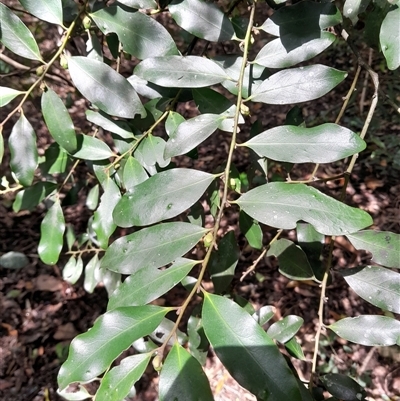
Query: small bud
[(232, 183), (207, 240), (40, 70), (63, 62), (157, 363), (86, 22)]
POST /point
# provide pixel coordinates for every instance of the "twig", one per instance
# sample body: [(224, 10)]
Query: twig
[(365, 84), (13, 63)]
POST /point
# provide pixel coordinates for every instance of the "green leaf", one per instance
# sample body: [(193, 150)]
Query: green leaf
[(237, 337), (294, 349), (58, 121), (30, 197), (197, 341), (352, 8), (281, 205), (16, 36), (182, 378), (51, 234), (92, 199), (375, 284), (181, 72), (384, 246), (23, 148), (117, 383), (285, 329), (371, 330), (94, 47), (139, 3), (1, 144), (133, 174), (202, 19), (140, 35), (296, 85), (121, 128), (343, 387), (264, 314), (162, 196), (56, 160), (46, 10), (103, 224), (275, 55), (389, 38), (90, 274), (223, 262), (293, 262), (72, 270), (151, 152), (151, 247), (148, 284), (105, 88), (91, 353), (172, 122), (91, 148), (13, 260), (8, 94), (191, 133), (251, 230)]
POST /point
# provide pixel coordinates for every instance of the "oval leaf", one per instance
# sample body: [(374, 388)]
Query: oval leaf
[(262, 368), (283, 330), (141, 35), (73, 270), (58, 121), (133, 174), (46, 10), (8, 94), (251, 230), (377, 285), (51, 234), (121, 128), (91, 353), (281, 205), (298, 85), (23, 148), (105, 88), (389, 38), (182, 378), (343, 387), (202, 19), (151, 247), (91, 148), (368, 330), (162, 196), (181, 72)]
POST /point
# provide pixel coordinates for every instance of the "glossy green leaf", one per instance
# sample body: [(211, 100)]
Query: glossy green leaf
[(8, 94), (296, 85), (16, 36), (389, 38), (13, 260), (182, 378), (140, 35), (223, 262), (73, 270), (103, 223), (293, 262), (384, 246), (164, 329), (148, 284), (58, 121), (281, 205), (275, 55), (91, 353), (92, 199), (294, 349), (375, 284), (46, 10), (172, 122), (202, 19), (51, 234), (23, 148), (151, 152), (91, 269), (264, 314), (343, 387), (121, 128), (94, 47), (56, 160), (371, 330), (139, 3), (105, 88), (91, 148), (181, 72), (162, 196), (133, 174), (262, 368), (151, 247), (197, 342), (80, 394), (251, 230), (352, 8), (191, 133), (283, 330), (30, 197), (117, 383)]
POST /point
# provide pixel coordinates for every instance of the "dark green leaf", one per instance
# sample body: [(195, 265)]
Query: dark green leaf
[(91, 148), (390, 39), (247, 351), (51, 234), (151, 247), (8, 94), (163, 196), (264, 314), (197, 341), (182, 378), (56, 160), (23, 148), (30, 197), (140, 35), (117, 383), (251, 230), (133, 174), (285, 329), (181, 72), (13, 260), (105, 88), (377, 285), (91, 353), (202, 19), (281, 205), (296, 85), (343, 387), (46, 10), (148, 284), (384, 246), (59, 121), (371, 330), (294, 349), (121, 128), (139, 3), (16, 36), (94, 47)]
